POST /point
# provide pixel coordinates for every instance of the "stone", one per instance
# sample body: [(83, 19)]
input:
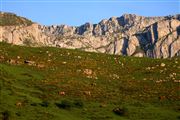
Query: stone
[(40, 65), (18, 57), (177, 81), (163, 64), (79, 57), (88, 72), (64, 62), (114, 76)]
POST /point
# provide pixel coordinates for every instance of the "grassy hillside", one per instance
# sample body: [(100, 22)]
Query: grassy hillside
[(9, 19), (60, 84)]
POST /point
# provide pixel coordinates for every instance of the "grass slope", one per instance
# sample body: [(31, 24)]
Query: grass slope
[(61, 84)]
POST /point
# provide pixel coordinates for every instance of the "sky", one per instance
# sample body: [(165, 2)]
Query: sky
[(78, 12)]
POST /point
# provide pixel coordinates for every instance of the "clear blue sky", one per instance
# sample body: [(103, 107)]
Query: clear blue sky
[(50, 12)]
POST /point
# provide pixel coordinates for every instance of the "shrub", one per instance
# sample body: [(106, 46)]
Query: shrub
[(33, 104), (5, 115), (44, 104), (27, 42), (65, 104), (78, 103), (18, 114)]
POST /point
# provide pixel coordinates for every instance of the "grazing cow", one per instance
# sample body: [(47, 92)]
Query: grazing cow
[(19, 104), (87, 93), (162, 98), (62, 93)]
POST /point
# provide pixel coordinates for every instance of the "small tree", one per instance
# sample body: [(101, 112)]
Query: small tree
[(27, 42)]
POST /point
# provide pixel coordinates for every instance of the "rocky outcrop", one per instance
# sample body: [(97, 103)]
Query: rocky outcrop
[(131, 35)]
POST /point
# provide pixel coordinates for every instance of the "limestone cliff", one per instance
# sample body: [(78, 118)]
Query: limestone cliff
[(131, 35)]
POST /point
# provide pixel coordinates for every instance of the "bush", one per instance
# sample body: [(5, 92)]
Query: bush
[(28, 42), (18, 114), (79, 103), (33, 104), (5, 115), (65, 104), (44, 104)]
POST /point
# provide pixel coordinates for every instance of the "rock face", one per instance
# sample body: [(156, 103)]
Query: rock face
[(131, 35)]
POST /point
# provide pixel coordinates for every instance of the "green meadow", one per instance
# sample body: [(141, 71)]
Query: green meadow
[(49, 83)]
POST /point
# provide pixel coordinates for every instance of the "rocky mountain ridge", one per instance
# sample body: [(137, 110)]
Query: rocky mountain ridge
[(131, 35)]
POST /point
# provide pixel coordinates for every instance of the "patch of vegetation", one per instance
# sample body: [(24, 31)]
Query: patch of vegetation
[(10, 19), (28, 42), (65, 104), (79, 103), (5, 115), (43, 104), (138, 50)]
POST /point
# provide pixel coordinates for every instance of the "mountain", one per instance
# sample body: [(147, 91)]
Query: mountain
[(129, 35)]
